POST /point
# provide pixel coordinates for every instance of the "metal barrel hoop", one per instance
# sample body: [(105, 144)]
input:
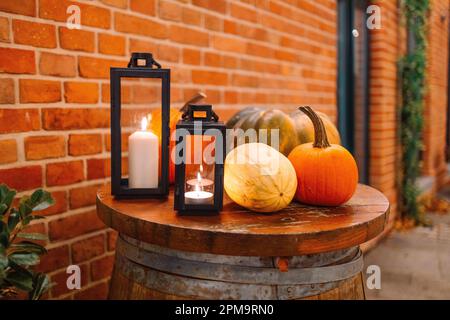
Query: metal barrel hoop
[(234, 277)]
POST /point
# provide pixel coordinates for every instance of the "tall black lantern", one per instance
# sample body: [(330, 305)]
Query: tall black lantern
[(148, 151), (199, 158)]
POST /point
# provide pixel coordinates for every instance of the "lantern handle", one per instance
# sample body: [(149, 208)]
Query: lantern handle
[(186, 113), (139, 60)]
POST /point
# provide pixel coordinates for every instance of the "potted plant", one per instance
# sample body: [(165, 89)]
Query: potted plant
[(18, 251)]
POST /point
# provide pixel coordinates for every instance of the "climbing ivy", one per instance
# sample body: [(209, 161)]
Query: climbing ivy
[(412, 70)]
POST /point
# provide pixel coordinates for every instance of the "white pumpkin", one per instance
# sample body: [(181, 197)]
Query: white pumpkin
[(259, 178)]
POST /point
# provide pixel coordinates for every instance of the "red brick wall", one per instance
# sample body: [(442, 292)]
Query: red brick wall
[(386, 49), (434, 157), (387, 45), (54, 94)]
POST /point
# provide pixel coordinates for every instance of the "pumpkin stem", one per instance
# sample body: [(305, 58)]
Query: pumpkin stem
[(320, 134), (195, 98)]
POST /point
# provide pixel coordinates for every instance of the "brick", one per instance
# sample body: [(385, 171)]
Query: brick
[(239, 80), (212, 59), (112, 239), (231, 97), (78, 40), (55, 259), (17, 61), (96, 67), (59, 280), (57, 65), (142, 46), (64, 173), (116, 3), (60, 205), (4, 30), (124, 142), (188, 36), (213, 23), (170, 11), (181, 75), (214, 5), (88, 248), (7, 94), (22, 178), (39, 91), (8, 152), (168, 53), (131, 24), (213, 96), (19, 120), (143, 6), (98, 168), (229, 44), (191, 56), (191, 17), (125, 93), (110, 44), (34, 34), (44, 147), (74, 225), (83, 196), (209, 77), (101, 168), (102, 268), (96, 292), (92, 16), (81, 92), (144, 94), (80, 118), (243, 13), (25, 7), (83, 144)]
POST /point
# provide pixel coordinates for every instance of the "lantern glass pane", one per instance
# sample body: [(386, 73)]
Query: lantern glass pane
[(199, 169), (140, 122)]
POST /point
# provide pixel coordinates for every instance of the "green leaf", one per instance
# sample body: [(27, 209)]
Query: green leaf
[(3, 261), (21, 280), (27, 246), (24, 259), (32, 236), (26, 221), (41, 284), (3, 208), (13, 220), (4, 235), (6, 197), (40, 200), (24, 208)]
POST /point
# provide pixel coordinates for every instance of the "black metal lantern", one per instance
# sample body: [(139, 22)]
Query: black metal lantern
[(199, 161), (148, 159)]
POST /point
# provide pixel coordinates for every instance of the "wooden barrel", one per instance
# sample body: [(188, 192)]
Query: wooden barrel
[(148, 271), (299, 252)]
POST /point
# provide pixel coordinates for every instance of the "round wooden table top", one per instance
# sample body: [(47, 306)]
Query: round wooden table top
[(299, 229)]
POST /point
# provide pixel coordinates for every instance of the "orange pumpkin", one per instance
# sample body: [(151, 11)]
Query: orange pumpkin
[(155, 125), (327, 173)]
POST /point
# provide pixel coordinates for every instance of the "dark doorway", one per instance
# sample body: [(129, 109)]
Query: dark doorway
[(353, 81)]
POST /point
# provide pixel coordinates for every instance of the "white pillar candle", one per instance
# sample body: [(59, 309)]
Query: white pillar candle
[(143, 158)]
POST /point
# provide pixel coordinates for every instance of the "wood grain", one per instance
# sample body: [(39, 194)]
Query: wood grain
[(296, 230)]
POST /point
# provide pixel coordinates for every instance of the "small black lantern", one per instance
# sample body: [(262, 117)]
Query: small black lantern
[(148, 159), (199, 161)]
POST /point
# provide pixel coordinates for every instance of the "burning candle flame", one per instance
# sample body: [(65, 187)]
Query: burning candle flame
[(198, 185), (144, 123)]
